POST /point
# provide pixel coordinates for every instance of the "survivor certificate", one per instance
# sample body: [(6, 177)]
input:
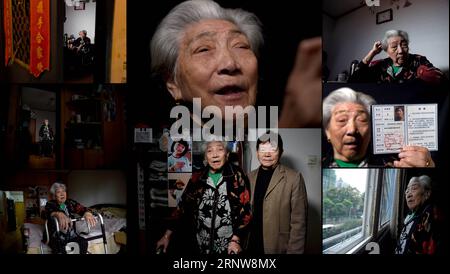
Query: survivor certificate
[(395, 126)]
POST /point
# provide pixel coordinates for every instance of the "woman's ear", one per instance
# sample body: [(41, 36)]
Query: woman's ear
[(327, 133), (174, 90)]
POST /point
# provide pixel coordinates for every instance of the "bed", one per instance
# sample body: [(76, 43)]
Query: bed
[(114, 218)]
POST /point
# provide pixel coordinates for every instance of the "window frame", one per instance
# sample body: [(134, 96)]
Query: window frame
[(395, 198), (355, 242), (372, 226)]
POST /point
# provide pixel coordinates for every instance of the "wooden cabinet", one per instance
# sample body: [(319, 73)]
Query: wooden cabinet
[(84, 158), (93, 127)]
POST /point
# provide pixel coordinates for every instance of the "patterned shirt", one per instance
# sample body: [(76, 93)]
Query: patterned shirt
[(418, 235), (382, 71), (71, 208), (214, 213)]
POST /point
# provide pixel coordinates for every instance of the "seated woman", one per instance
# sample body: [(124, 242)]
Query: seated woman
[(347, 125), (64, 209), (215, 206), (399, 67), (82, 43), (419, 233)]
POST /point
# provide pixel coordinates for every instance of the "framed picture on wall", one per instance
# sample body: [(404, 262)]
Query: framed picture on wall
[(80, 6), (384, 16)]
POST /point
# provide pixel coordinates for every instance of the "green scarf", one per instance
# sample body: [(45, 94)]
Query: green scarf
[(346, 164), (215, 177)]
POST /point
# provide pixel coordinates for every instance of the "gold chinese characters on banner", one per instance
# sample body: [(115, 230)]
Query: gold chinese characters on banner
[(36, 43), (40, 36)]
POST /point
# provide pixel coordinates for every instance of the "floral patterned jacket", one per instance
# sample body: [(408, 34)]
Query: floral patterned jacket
[(215, 213), (380, 71), (420, 232), (72, 206)]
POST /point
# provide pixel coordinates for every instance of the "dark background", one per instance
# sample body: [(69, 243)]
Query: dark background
[(284, 26)]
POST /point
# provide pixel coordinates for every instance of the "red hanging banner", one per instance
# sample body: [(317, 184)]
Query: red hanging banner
[(7, 24), (39, 36)]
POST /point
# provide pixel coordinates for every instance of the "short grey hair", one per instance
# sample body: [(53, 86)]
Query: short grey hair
[(424, 181), (205, 145), (392, 33), (84, 31), (164, 45), (55, 186), (344, 95)]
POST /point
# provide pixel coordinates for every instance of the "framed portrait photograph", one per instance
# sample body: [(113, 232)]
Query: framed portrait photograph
[(384, 16), (81, 6)]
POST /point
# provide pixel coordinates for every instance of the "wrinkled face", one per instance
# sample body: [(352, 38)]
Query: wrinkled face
[(60, 195), (215, 63), (349, 131), (268, 155), (179, 148), (415, 195), (216, 156), (397, 50)]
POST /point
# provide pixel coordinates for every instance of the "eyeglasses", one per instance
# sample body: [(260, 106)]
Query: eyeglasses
[(265, 149)]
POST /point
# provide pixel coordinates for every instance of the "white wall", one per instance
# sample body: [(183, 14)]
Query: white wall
[(300, 147), (354, 34), (90, 187), (77, 20), (41, 115)]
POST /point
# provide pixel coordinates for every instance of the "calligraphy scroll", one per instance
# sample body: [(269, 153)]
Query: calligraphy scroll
[(40, 36)]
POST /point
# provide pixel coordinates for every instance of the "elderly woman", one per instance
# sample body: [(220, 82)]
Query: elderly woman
[(418, 233), (64, 209), (400, 66), (202, 50), (346, 121), (215, 205)]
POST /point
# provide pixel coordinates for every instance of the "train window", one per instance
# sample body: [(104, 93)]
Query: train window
[(390, 177), (345, 208)]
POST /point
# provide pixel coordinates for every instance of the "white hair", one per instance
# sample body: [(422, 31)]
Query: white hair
[(424, 181), (393, 33), (344, 95), (204, 146), (164, 45), (55, 186)]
